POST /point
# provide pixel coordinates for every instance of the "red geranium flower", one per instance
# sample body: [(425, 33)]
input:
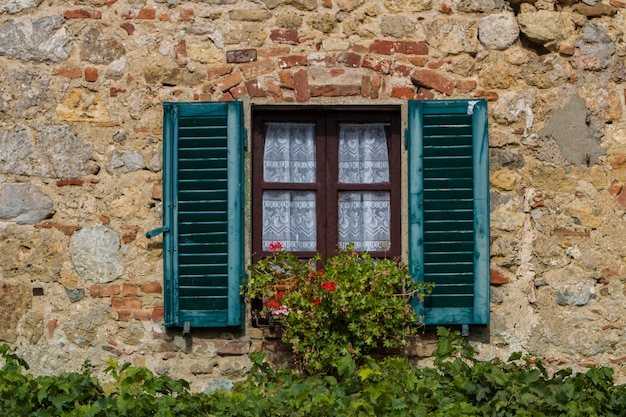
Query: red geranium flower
[(329, 285), (279, 295), (274, 246), (320, 272), (317, 301)]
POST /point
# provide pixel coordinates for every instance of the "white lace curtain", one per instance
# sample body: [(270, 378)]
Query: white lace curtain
[(364, 215), (290, 216)]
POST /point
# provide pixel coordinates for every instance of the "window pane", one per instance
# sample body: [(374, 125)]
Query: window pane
[(364, 220), (289, 154), (289, 218), (363, 154)]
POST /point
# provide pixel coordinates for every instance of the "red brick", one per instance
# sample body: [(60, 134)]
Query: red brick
[(334, 73), (350, 59), (254, 69), (129, 237), (104, 219), (124, 315), (301, 86), (617, 3), (238, 91), (487, 95), (254, 88), (411, 48), (227, 97), (402, 69), (70, 181), (401, 47), (68, 72), (366, 86), (286, 78), (146, 14), (82, 14), (180, 53), (100, 290), (465, 86), (439, 63), (292, 61), (50, 327), (328, 4), (417, 60), (164, 17), (127, 303), (359, 49), (152, 287), (273, 90), (114, 91), (377, 81), (67, 229), (335, 90), (377, 64), (424, 94), (321, 60), (445, 9), (128, 27), (403, 92), (230, 81), (432, 80), (284, 36), (382, 47), (186, 14), (129, 290), (213, 73), (91, 74), (143, 315), (158, 313), (496, 278), (274, 52)]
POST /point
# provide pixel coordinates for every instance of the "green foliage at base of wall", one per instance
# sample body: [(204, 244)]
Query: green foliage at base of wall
[(457, 385)]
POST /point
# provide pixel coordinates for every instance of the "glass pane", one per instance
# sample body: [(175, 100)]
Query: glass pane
[(289, 154), (289, 218), (364, 220), (363, 154)]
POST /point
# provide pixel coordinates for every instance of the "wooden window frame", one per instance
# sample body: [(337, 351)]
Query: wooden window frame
[(326, 186)]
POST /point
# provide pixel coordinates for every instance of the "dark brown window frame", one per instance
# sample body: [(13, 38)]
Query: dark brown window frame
[(327, 187)]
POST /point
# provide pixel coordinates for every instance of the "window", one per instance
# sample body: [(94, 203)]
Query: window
[(326, 178), (322, 178)]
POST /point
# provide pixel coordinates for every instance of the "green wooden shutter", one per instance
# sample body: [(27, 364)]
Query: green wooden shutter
[(449, 209), (203, 213)]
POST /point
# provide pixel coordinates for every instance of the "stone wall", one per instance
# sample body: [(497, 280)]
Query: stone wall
[(81, 87)]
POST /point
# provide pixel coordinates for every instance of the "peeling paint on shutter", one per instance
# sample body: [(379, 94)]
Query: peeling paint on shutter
[(449, 209), (203, 213)]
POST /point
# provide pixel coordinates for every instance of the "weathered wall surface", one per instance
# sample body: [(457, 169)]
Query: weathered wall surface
[(81, 87)]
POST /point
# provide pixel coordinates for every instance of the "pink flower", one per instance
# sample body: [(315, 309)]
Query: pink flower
[(274, 246)]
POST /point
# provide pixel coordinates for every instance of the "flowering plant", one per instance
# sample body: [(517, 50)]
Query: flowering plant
[(354, 305)]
